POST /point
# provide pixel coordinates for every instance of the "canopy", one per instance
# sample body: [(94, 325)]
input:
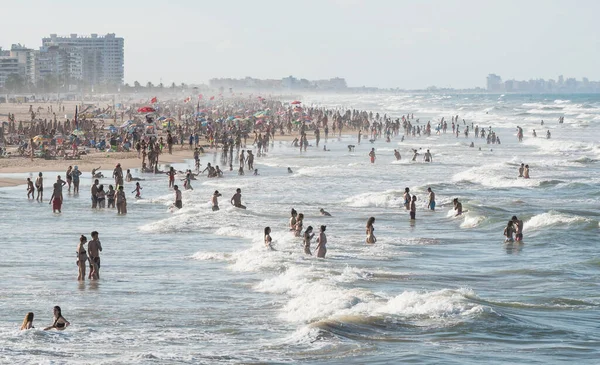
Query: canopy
[(295, 102)]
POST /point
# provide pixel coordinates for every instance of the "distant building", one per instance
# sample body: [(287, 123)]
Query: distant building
[(286, 83), (494, 83), (102, 57), (8, 65)]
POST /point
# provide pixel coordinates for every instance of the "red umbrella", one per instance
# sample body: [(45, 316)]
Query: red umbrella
[(295, 102), (146, 109)]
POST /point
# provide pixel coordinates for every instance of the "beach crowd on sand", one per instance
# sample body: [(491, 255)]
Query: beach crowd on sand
[(241, 129)]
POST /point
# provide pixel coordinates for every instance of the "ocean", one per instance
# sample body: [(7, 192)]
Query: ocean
[(196, 286)]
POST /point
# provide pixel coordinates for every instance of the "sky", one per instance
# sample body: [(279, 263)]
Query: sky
[(408, 44)]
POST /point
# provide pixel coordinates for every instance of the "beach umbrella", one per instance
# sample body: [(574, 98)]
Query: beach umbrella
[(162, 118), (146, 109), (41, 138), (296, 102), (78, 132)]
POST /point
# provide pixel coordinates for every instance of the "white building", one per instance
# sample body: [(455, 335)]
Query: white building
[(102, 56), (8, 65)]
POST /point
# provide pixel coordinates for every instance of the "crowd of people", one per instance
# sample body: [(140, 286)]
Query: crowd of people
[(228, 136)]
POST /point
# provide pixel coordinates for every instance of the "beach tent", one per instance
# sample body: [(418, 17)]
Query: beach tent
[(296, 102)]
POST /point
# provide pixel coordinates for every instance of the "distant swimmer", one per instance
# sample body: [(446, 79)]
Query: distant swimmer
[(413, 208), (457, 207), (548, 135), (526, 172), (431, 199), (236, 199), (30, 189), (215, 200), (472, 144), (370, 231), (324, 213), (508, 232), (406, 197), (518, 225), (521, 170), (241, 171), (60, 323), (372, 155), (27, 322), (351, 148), (129, 177), (268, 239), (322, 243), (255, 172), (534, 134), (290, 171), (308, 236), (428, 157), (397, 155)]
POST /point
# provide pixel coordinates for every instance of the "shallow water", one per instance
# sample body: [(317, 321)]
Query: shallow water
[(197, 286)]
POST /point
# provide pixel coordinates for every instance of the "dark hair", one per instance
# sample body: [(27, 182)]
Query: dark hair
[(294, 212), (83, 238), (57, 308), (267, 230), (323, 228), (94, 233), (370, 221), (406, 190), (514, 217), (309, 228)]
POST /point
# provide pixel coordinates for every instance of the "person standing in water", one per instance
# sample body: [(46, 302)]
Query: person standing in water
[(428, 157), (406, 197), (521, 169), (268, 240), (413, 208), (30, 189), (57, 198), (372, 155), (299, 224), (322, 243), (508, 231), (518, 225), (39, 185), (370, 231), (215, 200), (457, 207), (308, 236), (178, 198), (121, 201), (81, 257), (94, 249), (137, 191), (294, 214), (526, 172), (431, 199), (75, 174), (60, 323), (236, 199), (94, 193), (397, 155)]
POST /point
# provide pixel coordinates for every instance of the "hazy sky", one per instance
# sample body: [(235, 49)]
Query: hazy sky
[(395, 43)]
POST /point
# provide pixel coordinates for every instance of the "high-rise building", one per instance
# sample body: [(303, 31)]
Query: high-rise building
[(8, 65), (494, 83), (102, 57)]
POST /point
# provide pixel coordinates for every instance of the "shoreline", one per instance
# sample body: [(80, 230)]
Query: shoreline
[(128, 160)]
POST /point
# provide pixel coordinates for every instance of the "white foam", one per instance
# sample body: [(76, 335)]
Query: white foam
[(554, 219)]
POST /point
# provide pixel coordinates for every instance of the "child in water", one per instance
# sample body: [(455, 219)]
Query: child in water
[(137, 190)]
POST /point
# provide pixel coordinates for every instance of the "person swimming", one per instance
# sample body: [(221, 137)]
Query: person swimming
[(324, 213), (27, 322), (370, 231), (268, 239), (60, 323)]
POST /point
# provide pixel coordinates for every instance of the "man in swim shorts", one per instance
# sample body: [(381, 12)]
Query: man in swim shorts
[(431, 197), (236, 199), (94, 249)]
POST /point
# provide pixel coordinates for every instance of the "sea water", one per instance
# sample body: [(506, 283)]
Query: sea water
[(197, 286)]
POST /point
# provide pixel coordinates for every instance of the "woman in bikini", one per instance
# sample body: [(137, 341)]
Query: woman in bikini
[(370, 229), (268, 239), (298, 225), (60, 323), (27, 322), (321, 243), (308, 235), (293, 220), (81, 257)]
